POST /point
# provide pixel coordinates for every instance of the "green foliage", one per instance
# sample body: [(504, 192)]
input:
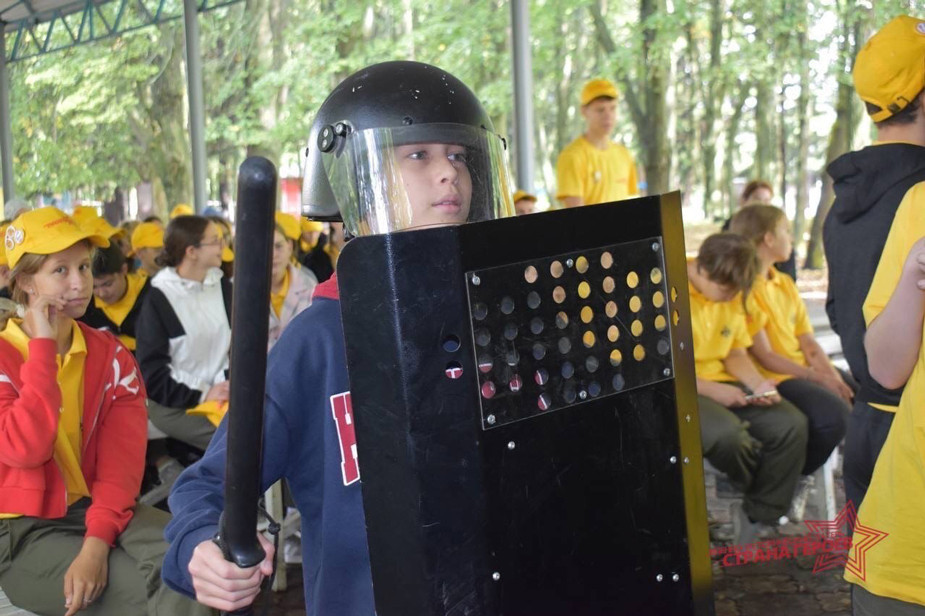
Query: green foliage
[(725, 74)]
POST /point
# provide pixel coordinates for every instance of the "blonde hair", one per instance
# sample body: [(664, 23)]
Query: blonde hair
[(754, 221)]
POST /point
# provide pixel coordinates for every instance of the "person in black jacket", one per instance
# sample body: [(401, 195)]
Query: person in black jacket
[(184, 331), (117, 295), (869, 185)]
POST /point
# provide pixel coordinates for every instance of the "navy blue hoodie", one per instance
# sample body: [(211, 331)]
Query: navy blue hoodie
[(869, 185), (308, 440)]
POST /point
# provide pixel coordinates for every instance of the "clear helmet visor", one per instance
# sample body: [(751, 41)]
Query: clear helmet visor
[(392, 179)]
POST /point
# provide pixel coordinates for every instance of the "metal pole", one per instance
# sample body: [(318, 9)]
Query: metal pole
[(6, 127), (197, 131), (523, 93)]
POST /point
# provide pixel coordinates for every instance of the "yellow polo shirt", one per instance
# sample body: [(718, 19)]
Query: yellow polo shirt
[(67, 448), (117, 311), (908, 226), (595, 175), (895, 567), (775, 305), (277, 299), (718, 327)]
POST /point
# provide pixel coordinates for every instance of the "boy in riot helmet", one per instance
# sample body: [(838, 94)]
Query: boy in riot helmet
[(395, 146)]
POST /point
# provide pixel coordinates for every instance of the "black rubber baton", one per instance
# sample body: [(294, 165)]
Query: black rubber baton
[(237, 533)]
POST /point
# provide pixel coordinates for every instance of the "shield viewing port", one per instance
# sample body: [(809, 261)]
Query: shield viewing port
[(552, 333)]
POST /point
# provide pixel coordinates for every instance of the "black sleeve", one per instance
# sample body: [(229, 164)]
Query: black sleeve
[(156, 325), (226, 297)]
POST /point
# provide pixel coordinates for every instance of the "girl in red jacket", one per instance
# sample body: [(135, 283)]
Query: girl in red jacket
[(72, 442)]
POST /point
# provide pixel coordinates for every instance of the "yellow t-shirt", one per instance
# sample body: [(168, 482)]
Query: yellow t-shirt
[(718, 327), (895, 567), (117, 311), (71, 380), (908, 226), (775, 305), (277, 299), (597, 176)]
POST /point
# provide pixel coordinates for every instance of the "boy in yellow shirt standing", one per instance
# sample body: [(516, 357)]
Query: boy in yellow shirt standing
[(888, 572), (592, 168)]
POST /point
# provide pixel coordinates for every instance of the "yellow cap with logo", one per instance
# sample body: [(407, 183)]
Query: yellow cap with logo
[(597, 88), (889, 71), (147, 235), (45, 231)]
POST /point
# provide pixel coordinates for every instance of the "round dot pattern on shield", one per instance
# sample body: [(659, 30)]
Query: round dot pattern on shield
[(556, 332)]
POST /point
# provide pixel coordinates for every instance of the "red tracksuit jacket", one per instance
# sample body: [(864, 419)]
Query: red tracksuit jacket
[(113, 433)]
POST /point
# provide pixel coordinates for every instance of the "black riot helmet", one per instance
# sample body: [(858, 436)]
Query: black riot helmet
[(403, 144)]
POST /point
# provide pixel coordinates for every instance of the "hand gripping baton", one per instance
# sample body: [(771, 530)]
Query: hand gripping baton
[(237, 532)]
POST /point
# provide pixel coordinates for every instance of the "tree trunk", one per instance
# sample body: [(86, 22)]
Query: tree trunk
[(646, 94), (715, 92), (732, 132), (168, 111), (764, 130), (803, 107), (846, 123)]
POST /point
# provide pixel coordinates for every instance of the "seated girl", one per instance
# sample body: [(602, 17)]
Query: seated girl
[(782, 337), (72, 442)]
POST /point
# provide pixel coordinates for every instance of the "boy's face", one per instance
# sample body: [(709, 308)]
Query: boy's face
[(600, 115), (524, 206), (437, 182), (110, 288), (716, 292)]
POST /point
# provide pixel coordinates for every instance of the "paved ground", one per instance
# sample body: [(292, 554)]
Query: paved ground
[(765, 589)]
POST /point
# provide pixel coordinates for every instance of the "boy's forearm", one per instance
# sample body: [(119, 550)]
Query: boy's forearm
[(741, 367), (776, 362), (815, 356)]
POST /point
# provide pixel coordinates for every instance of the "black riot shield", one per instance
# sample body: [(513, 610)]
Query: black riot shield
[(526, 415)]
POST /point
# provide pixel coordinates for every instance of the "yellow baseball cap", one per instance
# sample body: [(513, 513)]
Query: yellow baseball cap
[(596, 88), (311, 226), (890, 69), (83, 213), (3, 260), (181, 209), (45, 231), (99, 226), (147, 235), (289, 224), (522, 194)]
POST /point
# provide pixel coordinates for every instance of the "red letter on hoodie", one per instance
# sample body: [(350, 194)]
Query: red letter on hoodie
[(342, 409)]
